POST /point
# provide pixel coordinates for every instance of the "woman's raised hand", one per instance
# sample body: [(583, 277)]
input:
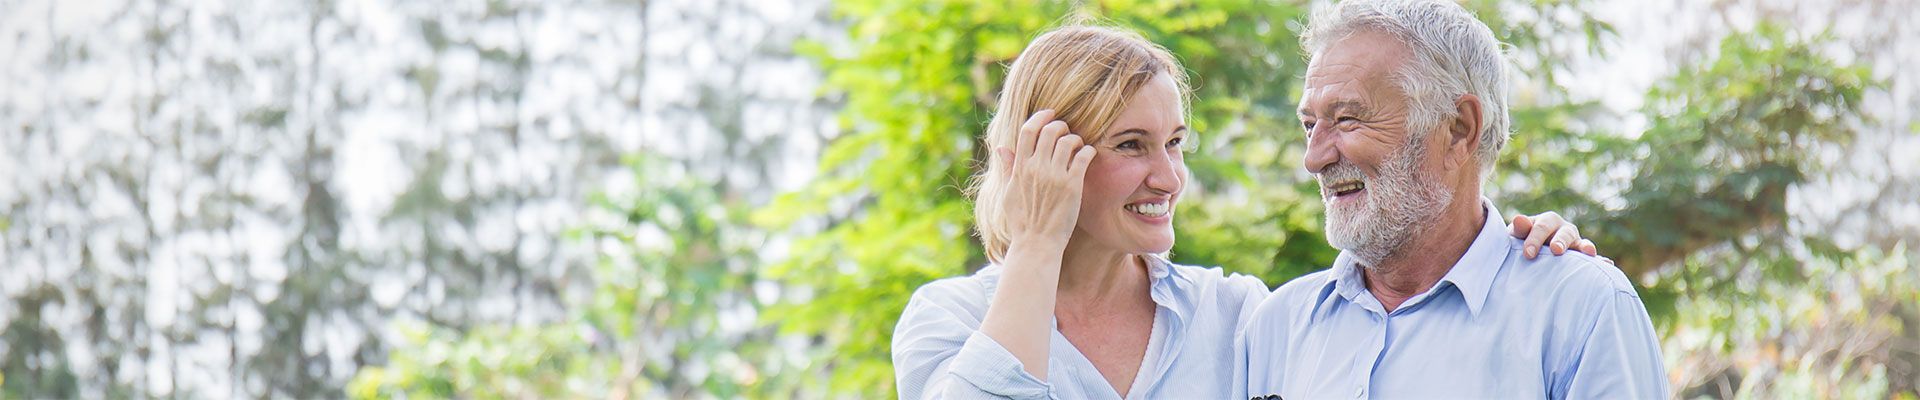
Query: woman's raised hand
[(1045, 173)]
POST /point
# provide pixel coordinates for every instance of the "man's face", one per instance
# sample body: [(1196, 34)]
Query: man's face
[(1376, 175)]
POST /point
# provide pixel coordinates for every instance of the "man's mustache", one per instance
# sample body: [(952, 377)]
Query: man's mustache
[(1336, 174)]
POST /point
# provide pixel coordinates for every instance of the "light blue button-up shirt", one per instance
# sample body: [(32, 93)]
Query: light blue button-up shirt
[(939, 352), (1497, 325)]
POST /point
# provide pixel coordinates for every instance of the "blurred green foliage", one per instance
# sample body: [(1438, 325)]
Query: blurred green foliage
[(1694, 207), (669, 268)]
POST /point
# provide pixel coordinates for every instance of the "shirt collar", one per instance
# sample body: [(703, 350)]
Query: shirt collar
[(1170, 287), (1475, 271), (1347, 281), (1472, 275)]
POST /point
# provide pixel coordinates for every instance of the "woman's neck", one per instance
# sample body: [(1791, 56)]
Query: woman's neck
[(1091, 272)]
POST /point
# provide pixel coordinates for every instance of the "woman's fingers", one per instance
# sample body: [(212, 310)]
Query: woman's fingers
[(1004, 157), (1024, 143), (1564, 238), (1064, 150), (1521, 226), (1077, 171), (1586, 246), (1049, 151), (1544, 226)]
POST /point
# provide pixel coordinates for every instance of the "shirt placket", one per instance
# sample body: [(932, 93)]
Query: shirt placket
[(1369, 354)]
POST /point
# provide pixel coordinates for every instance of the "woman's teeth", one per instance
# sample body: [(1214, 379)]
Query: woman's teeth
[(1149, 209)]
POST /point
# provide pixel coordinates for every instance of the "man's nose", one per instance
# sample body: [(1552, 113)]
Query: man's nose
[(1320, 149)]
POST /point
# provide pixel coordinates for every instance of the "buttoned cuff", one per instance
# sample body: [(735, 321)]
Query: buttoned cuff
[(986, 365)]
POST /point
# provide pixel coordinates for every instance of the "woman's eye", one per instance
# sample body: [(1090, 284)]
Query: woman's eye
[(1180, 144), (1128, 145)]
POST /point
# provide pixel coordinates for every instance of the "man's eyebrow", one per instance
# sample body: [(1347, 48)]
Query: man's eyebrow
[(1356, 107)]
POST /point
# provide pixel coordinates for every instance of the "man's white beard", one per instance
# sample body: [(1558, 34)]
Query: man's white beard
[(1399, 204)]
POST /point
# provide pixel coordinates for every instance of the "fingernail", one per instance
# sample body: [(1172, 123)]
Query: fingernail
[(1532, 250)]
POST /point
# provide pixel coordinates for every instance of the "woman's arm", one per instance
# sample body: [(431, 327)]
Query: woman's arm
[(1046, 171), (939, 352)]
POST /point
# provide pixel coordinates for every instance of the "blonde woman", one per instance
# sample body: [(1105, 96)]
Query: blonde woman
[(1076, 209)]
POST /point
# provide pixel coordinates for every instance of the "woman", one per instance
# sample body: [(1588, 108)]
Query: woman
[(1075, 211)]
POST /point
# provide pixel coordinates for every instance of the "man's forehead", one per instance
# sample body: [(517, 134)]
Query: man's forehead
[(1364, 58), (1338, 84), (1331, 83)]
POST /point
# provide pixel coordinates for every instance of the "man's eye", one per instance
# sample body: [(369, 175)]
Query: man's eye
[(1348, 119), (1307, 124)]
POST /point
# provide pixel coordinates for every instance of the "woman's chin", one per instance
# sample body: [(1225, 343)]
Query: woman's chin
[(1134, 242), (1156, 245)]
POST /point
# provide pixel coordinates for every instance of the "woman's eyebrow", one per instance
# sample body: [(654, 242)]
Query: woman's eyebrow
[(1130, 131)]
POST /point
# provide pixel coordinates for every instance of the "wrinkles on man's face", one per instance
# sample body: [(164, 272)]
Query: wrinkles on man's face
[(1353, 114), (1357, 122)]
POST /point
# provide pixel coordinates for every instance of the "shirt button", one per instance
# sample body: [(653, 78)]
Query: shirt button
[(1360, 392)]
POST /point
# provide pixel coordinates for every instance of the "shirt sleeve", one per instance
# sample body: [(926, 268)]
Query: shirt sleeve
[(1620, 358), (940, 353)]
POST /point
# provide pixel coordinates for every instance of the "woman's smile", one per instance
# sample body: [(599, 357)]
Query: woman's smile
[(1152, 211)]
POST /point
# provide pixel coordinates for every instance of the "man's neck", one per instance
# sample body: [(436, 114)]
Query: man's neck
[(1425, 259)]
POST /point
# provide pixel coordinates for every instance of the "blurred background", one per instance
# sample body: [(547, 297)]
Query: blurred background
[(727, 198)]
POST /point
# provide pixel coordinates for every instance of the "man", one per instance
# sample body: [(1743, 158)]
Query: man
[(1405, 111)]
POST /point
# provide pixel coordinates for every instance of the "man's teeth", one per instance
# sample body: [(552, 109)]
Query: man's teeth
[(1149, 209), (1348, 187)]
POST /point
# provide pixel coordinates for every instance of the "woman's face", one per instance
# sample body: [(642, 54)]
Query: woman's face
[(1137, 174)]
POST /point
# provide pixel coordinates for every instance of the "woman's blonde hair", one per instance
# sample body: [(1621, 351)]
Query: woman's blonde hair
[(1085, 74)]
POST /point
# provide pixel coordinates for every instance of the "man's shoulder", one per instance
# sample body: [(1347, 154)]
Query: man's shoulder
[(1297, 293), (1574, 273), (1308, 284), (1218, 280)]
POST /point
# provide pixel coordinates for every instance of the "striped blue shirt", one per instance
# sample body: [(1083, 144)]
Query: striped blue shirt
[(939, 352)]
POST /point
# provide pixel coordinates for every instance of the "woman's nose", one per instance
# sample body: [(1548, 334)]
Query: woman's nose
[(1168, 173)]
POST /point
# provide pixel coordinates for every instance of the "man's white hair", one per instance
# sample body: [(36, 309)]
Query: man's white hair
[(1452, 54)]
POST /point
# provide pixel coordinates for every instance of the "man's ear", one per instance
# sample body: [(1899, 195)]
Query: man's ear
[(1463, 133)]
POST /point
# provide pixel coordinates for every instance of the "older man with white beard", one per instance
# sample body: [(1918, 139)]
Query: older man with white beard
[(1405, 111)]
